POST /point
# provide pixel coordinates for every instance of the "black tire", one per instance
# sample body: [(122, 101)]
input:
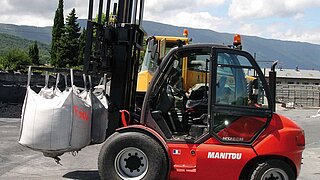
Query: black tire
[(118, 142), (268, 169)]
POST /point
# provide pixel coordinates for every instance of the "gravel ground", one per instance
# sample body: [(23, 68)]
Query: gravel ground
[(10, 110), (310, 122)]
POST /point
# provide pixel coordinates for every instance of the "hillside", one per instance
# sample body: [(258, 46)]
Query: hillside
[(290, 54), (9, 42), (41, 34)]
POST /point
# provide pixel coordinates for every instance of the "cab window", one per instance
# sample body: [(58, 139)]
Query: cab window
[(240, 102), (198, 62), (237, 84)]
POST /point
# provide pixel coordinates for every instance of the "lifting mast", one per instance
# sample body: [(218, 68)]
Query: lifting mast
[(114, 48)]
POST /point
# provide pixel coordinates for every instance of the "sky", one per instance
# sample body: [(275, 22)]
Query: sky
[(295, 20)]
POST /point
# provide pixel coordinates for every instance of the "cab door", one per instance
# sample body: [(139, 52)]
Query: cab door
[(239, 111)]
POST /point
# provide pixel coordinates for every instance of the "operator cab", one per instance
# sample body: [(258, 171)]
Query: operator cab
[(201, 90)]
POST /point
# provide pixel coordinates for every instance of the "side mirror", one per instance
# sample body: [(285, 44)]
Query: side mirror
[(152, 48), (154, 53), (150, 43)]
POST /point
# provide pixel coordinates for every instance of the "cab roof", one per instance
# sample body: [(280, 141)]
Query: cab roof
[(171, 38), (204, 45)]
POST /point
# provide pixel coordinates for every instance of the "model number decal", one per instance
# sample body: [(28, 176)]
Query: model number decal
[(232, 138), (223, 155)]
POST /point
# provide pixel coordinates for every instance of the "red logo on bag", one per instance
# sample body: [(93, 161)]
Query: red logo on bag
[(81, 113)]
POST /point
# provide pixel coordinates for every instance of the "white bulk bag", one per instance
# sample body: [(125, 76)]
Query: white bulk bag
[(99, 113), (56, 122)]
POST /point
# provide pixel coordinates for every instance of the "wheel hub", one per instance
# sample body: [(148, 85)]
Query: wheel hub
[(134, 162), (275, 174), (131, 164)]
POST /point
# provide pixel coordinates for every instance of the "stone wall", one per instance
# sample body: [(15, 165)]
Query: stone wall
[(13, 85)]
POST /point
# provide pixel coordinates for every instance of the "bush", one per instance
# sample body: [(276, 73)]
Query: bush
[(14, 59), (44, 59)]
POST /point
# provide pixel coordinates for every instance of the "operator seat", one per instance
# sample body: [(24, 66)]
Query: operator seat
[(161, 113), (166, 101)]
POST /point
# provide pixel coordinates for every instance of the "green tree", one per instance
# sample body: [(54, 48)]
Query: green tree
[(57, 32), (34, 53), (14, 59), (82, 45), (103, 18), (69, 44)]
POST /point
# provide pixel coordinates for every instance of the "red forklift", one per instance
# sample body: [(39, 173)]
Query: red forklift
[(223, 127)]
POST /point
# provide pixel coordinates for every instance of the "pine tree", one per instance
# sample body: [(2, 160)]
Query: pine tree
[(62, 52), (57, 32), (34, 53), (82, 44), (69, 47)]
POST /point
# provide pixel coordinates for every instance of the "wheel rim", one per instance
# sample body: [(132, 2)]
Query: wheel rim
[(131, 164), (275, 174)]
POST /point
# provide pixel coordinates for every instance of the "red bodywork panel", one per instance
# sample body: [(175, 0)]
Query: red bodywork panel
[(281, 138), (243, 129), (215, 160), (209, 161)]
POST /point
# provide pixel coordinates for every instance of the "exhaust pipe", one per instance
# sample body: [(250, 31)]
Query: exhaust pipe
[(273, 84)]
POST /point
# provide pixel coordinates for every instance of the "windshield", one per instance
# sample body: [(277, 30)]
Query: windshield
[(150, 64)]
